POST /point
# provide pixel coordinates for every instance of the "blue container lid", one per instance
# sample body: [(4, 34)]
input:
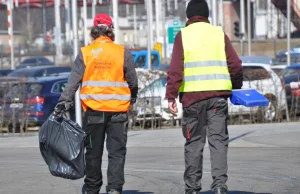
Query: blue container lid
[(248, 98)]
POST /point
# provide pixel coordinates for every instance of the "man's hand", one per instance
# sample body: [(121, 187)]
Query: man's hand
[(59, 109), (173, 107)]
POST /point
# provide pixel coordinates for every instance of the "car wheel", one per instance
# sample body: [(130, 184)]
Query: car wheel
[(268, 113)]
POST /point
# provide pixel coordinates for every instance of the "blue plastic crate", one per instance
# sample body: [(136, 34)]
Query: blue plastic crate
[(248, 98)]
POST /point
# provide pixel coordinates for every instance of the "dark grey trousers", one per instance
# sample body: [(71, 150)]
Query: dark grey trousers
[(114, 126), (205, 118)]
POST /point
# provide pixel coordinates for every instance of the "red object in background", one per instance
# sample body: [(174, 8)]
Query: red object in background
[(36, 100), (48, 38), (296, 92)]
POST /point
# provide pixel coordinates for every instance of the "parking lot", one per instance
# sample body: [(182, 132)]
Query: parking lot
[(262, 159)]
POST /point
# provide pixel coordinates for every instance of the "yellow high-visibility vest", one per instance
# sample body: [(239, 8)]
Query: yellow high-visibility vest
[(205, 64)]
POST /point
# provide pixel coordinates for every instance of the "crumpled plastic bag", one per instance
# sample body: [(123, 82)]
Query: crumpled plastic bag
[(61, 143)]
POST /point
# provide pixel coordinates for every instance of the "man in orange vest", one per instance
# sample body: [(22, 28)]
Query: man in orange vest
[(109, 86)]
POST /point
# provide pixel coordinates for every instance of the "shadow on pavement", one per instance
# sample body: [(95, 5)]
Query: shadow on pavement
[(240, 136), (233, 192)]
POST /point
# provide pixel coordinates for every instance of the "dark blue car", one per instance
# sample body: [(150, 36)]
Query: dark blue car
[(34, 61), (31, 102), (291, 74)]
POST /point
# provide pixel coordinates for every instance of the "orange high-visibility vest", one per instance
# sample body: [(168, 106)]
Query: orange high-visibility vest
[(104, 87)]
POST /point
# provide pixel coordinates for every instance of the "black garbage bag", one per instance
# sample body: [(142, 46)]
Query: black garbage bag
[(61, 144)]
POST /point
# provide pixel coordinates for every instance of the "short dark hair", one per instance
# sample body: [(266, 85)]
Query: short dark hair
[(98, 31)]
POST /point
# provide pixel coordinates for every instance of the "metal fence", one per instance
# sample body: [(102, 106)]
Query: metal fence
[(147, 112)]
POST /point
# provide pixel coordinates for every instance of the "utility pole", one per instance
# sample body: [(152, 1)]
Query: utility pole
[(115, 19), (150, 36), (75, 53), (67, 19), (221, 11), (57, 28), (134, 25), (288, 35), (9, 5), (249, 26), (44, 22), (163, 9), (214, 12), (157, 18), (85, 36), (28, 20), (94, 3), (242, 18)]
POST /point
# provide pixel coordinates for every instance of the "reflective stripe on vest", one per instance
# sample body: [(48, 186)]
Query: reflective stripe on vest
[(104, 97), (205, 77), (104, 84), (205, 65), (104, 87)]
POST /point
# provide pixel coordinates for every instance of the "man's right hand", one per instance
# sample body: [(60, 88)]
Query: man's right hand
[(173, 107), (59, 108)]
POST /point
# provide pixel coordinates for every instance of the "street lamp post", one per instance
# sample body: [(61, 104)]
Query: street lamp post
[(115, 19), (150, 36), (75, 53)]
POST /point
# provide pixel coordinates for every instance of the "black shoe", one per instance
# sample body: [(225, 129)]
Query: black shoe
[(219, 190)]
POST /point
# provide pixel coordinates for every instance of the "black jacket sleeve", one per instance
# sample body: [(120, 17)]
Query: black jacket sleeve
[(130, 73), (74, 81)]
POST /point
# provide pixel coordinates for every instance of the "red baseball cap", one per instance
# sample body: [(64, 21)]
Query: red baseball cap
[(103, 19)]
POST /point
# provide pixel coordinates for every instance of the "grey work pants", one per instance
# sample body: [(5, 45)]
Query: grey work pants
[(205, 118)]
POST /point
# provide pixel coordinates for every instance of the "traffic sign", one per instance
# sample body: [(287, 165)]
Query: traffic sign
[(172, 32)]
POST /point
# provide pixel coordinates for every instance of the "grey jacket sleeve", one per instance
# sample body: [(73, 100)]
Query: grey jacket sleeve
[(74, 81), (130, 73)]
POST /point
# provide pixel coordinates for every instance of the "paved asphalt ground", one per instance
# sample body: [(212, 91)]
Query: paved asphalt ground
[(262, 159)]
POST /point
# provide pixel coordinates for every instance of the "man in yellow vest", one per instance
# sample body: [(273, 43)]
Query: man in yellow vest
[(109, 85), (204, 69)]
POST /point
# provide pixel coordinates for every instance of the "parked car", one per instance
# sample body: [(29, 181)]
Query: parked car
[(262, 78), (256, 75), (4, 72), (34, 61), (295, 50), (256, 59), (43, 71), (140, 59), (282, 59), (157, 89), (278, 68), (32, 101)]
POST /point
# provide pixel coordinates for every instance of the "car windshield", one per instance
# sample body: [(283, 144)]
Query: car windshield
[(283, 59), (290, 71), (253, 73), (140, 62), (31, 60)]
